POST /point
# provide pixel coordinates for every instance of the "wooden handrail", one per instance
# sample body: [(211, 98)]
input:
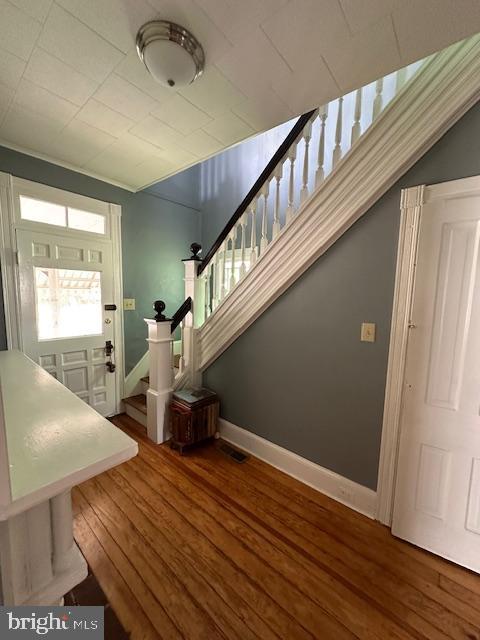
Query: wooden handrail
[(263, 177), (181, 312)]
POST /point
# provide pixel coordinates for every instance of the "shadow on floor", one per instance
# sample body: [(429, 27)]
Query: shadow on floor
[(89, 593)]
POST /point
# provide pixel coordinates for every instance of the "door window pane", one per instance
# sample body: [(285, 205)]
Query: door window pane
[(61, 216), (40, 211), (86, 221), (68, 303)]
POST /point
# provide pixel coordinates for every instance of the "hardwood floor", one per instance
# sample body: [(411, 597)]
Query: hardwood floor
[(200, 547)]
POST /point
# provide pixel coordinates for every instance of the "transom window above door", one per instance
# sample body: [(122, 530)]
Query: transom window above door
[(60, 215)]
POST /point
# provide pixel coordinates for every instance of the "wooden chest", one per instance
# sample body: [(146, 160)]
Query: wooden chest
[(193, 417)]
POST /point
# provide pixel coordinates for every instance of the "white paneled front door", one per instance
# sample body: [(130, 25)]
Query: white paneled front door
[(65, 284), (437, 498)]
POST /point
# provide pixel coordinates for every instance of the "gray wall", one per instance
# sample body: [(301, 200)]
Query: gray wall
[(299, 376), (156, 234)]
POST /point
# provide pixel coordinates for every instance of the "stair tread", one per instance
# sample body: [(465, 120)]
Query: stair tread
[(138, 402)]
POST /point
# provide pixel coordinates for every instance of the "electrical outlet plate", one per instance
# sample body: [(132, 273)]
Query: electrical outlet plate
[(129, 304), (368, 332)]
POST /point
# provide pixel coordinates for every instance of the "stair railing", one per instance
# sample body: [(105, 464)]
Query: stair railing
[(317, 142), (311, 152), (178, 319), (273, 202), (266, 175)]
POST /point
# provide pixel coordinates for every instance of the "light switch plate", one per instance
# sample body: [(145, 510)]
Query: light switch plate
[(129, 304), (367, 333)]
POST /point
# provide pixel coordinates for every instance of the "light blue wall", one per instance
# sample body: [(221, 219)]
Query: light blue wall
[(156, 234)]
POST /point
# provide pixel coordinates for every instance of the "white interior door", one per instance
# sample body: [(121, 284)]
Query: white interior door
[(437, 498), (65, 283)]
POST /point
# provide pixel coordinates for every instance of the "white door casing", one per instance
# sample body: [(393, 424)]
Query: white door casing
[(43, 245), (437, 495)]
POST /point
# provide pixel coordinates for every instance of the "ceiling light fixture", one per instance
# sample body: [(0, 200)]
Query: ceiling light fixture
[(172, 55)]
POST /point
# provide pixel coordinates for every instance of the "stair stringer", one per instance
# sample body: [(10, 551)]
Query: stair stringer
[(438, 96)]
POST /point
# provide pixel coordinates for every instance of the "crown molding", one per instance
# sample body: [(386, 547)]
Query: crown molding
[(65, 165)]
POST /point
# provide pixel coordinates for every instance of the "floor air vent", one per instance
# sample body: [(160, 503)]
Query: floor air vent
[(235, 454)]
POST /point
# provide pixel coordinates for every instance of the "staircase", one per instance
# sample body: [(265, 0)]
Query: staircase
[(136, 406), (335, 163)]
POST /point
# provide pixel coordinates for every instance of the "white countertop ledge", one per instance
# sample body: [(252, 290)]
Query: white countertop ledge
[(52, 439)]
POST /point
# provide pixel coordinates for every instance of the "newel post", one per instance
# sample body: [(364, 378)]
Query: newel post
[(160, 346), (195, 287)]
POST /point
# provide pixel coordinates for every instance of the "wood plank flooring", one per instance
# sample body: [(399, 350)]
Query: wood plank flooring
[(202, 548)]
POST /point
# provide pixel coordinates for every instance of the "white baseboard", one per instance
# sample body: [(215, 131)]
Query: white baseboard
[(346, 491)]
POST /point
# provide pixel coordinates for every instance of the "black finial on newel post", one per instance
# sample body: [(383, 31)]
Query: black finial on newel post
[(195, 248), (159, 306)]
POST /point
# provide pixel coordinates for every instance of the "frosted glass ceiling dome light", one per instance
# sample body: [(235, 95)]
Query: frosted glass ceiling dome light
[(172, 55)]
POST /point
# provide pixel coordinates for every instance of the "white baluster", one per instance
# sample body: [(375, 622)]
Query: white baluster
[(337, 151), (401, 78), (292, 156), (356, 129), (276, 211), (215, 279), (223, 291), (253, 236), (181, 363), (378, 102), (264, 238), (243, 231), (233, 238), (307, 136), (320, 173), (207, 276)]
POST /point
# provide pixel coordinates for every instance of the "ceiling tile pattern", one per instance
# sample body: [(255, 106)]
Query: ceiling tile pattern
[(58, 78), (18, 30), (38, 9), (73, 90), (68, 39)]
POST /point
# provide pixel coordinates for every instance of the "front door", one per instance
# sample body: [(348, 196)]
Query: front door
[(437, 499), (66, 303)]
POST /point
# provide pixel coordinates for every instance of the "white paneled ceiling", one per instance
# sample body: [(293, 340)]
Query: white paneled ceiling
[(73, 90)]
